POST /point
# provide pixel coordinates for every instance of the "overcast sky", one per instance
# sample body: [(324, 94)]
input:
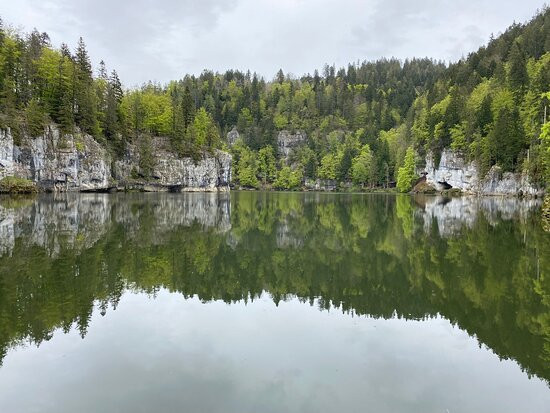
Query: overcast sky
[(164, 39)]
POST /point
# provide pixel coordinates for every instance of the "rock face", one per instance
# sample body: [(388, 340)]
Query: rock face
[(212, 172), (455, 172), (321, 185), (79, 163), (232, 136), (287, 141), (68, 163)]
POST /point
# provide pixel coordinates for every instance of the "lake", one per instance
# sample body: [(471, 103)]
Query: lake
[(273, 302)]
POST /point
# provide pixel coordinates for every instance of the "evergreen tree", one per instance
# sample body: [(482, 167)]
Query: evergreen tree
[(85, 99), (35, 117), (507, 139), (517, 74), (187, 108)]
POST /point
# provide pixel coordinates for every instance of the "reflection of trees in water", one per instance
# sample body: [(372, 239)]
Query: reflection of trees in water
[(375, 255)]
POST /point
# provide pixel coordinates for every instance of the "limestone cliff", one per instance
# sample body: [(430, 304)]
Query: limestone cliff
[(55, 162), (454, 171), (77, 162), (170, 173)]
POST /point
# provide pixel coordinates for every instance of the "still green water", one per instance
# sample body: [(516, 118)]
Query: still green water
[(273, 302)]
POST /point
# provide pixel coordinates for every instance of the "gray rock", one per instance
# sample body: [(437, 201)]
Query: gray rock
[(210, 173), (232, 136), (287, 142), (55, 162), (79, 163), (321, 184), (455, 171)]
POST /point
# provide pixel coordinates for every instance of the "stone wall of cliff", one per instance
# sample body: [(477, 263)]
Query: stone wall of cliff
[(456, 172), (57, 162)]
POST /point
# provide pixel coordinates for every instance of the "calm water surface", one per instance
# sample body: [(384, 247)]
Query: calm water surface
[(273, 302)]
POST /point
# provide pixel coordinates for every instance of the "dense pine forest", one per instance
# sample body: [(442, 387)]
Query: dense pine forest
[(370, 123)]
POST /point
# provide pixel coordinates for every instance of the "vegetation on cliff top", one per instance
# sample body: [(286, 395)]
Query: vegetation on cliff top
[(360, 121)]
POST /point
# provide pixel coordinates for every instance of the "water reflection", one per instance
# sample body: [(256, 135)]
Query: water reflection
[(483, 264)]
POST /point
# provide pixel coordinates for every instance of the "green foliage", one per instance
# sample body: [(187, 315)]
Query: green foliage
[(406, 175), (247, 176), (35, 117), (203, 133), (506, 140), (288, 179), (329, 166), (517, 73), (362, 168), (245, 166), (146, 157), (545, 138), (267, 169), (14, 185), (458, 138), (79, 145)]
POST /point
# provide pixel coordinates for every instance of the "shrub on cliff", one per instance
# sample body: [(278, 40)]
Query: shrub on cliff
[(14, 185)]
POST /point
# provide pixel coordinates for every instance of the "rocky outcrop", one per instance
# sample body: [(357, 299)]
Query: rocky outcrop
[(286, 142), (212, 172), (321, 185), (455, 172), (61, 163), (55, 162), (232, 136)]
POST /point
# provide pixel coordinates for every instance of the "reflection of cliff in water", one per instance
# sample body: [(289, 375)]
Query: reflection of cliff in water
[(80, 220), (451, 214), (482, 264)]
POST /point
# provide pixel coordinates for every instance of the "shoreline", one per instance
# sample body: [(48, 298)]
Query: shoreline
[(152, 188)]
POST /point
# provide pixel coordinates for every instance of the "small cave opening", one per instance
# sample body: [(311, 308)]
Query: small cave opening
[(175, 188), (445, 185)]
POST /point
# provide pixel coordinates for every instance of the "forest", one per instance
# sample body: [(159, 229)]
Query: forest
[(370, 123)]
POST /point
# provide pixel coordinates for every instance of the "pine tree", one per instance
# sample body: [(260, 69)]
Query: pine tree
[(187, 108), (85, 99), (507, 139), (485, 114), (517, 74), (35, 118), (116, 86)]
